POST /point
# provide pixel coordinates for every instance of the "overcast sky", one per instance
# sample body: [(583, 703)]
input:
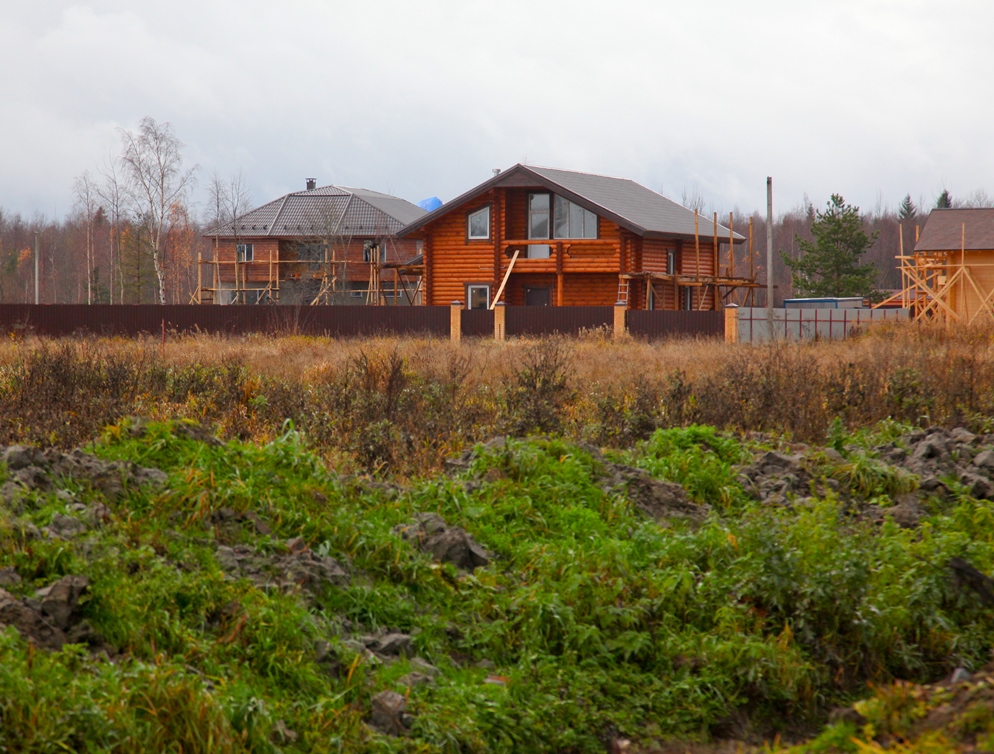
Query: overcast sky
[(872, 99)]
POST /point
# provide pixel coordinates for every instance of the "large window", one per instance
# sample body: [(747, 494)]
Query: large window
[(478, 224), (538, 224), (573, 221), (245, 252)]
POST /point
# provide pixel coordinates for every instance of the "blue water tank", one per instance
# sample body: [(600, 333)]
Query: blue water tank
[(430, 204)]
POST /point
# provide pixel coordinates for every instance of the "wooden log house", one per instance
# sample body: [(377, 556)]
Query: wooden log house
[(950, 273), (540, 236), (324, 245)]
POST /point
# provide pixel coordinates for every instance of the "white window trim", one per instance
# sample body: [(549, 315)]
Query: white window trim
[(245, 252), (469, 291), (469, 224)]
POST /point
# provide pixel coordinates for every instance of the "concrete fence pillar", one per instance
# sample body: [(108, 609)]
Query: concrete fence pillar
[(500, 320), (732, 323), (620, 319), (455, 321)]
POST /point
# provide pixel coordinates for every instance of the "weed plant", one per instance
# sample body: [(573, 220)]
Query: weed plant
[(591, 621)]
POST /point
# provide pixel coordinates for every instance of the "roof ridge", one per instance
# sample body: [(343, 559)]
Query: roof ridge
[(276, 217), (580, 172)]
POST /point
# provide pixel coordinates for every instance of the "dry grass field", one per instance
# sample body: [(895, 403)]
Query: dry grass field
[(392, 405)]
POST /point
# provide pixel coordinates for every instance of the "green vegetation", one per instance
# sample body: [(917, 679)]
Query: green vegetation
[(590, 622), (832, 264)]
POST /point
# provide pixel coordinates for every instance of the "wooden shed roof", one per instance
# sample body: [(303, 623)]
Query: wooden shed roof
[(952, 229), (631, 205)]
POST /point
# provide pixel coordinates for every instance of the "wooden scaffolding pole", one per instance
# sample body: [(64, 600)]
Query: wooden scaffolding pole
[(752, 267)]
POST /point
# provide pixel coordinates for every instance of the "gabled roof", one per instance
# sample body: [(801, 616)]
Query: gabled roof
[(325, 211), (953, 229), (631, 205)]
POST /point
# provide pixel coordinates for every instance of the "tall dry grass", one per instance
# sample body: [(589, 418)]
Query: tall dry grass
[(403, 404)]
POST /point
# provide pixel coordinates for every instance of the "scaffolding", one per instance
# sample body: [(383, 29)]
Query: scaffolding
[(325, 266), (724, 283), (939, 284)]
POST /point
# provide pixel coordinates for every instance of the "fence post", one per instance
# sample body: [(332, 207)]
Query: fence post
[(620, 315), (500, 319), (455, 321), (732, 323)]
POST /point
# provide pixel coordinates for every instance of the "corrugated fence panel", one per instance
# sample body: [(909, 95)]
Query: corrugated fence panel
[(562, 320), (477, 323), (668, 324), (336, 321)]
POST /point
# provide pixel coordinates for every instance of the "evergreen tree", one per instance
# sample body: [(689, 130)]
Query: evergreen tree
[(945, 201), (830, 266), (908, 210)]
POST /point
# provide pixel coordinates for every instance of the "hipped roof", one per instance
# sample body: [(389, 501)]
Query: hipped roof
[(629, 204), (953, 229), (325, 211)]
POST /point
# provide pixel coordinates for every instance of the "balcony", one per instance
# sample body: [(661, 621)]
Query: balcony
[(576, 255)]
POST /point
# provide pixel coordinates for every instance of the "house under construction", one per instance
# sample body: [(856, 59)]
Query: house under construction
[(328, 245), (950, 274)]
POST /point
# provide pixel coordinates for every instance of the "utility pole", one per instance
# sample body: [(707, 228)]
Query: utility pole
[(769, 254), (37, 297)]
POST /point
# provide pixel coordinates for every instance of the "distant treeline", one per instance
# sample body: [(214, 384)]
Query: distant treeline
[(126, 242)]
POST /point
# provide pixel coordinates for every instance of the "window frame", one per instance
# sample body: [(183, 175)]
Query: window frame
[(245, 252), (569, 237), (546, 249), (671, 261), (469, 219), (470, 287), (688, 298)]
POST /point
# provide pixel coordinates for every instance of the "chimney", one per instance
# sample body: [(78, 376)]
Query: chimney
[(496, 171), (311, 184)]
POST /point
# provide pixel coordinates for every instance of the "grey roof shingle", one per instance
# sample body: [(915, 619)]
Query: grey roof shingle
[(326, 211), (631, 205), (953, 229)]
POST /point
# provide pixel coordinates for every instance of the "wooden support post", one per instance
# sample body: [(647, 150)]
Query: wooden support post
[(962, 276), (216, 273), (455, 321), (200, 278), (731, 245), (732, 323), (752, 267), (715, 304), (620, 317), (503, 282), (697, 244), (500, 321)]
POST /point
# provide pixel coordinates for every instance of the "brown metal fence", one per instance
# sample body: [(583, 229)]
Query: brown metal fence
[(335, 321), (552, 320), (477, 323), (659, 324)]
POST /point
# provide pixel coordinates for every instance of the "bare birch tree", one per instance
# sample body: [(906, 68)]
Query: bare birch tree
[(111, 193), (228, 200), (153, 164), (85, 199)]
